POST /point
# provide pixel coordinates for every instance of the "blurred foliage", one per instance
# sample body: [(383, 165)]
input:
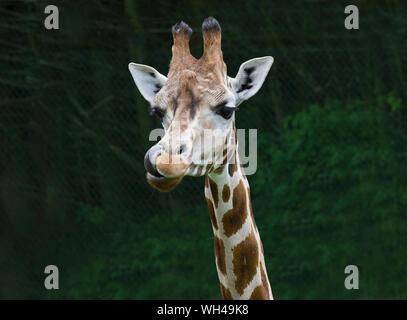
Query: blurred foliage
[(336, 183), (166, 257), (330, 186)]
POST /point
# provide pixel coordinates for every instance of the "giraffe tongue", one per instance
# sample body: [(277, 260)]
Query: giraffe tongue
[(150, 168)]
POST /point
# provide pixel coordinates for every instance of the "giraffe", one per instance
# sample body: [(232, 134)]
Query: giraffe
[(196, 103)]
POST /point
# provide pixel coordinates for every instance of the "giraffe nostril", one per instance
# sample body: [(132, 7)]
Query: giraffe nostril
[(181, 149)]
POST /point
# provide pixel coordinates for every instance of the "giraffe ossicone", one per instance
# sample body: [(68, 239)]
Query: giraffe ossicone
[(196, 103)]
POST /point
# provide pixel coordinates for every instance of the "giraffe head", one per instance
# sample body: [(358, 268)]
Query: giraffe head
[(196, 104)]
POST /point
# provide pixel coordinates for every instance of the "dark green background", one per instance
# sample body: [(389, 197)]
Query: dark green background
[(331, 184)]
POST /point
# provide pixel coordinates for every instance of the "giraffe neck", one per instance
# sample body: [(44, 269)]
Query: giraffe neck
[(238, 248)]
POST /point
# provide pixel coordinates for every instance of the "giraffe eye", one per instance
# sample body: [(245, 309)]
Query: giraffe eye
[(159, 113), (224, 111)]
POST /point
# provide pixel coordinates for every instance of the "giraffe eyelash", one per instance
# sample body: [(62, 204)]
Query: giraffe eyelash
[(224, 105), (224, 110)]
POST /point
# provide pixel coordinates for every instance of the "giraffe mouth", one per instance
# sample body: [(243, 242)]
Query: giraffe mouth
[(162, 183)]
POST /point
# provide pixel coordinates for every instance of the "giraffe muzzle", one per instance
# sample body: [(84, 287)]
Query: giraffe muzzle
[(161, 164), (164, 171), (171, 165)]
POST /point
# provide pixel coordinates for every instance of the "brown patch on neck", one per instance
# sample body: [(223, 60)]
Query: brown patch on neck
[(225, 293), (219, 170), (210, 205), (222, 167), (225, 154), (225, 193), (259, 293), (200, 170), (209, 168), (245, 262), (220, 254), (232, 168), (235, 217), (214, 191)]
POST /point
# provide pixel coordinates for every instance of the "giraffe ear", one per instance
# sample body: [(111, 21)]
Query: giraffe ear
[(250, 77), (148, 80)]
